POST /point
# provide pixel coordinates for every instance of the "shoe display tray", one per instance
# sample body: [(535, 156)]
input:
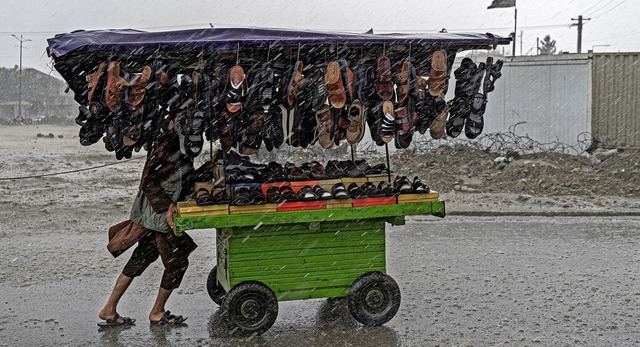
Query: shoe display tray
[(393, 214)]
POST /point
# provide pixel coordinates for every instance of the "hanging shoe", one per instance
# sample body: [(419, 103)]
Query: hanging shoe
[(335, 85), (384, 83), (236, 89), (116, 87), (356, 115), (439, 123), (438, 75), (387, 128)]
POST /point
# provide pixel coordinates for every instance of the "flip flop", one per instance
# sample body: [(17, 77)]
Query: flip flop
[(113, 322), (169, 319)]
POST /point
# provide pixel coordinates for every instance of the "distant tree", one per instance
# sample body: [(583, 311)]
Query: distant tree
[(547, 46)]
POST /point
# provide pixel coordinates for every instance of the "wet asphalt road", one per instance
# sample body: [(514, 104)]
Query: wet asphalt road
[(465, 281)]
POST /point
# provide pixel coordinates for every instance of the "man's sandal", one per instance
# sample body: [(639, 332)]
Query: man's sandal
[(169, 319), (115, 322)]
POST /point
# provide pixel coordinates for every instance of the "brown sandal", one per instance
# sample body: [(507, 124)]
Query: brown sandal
[(292, 86), (402, 82), (116, 86), (138, 85), (335, 86), (92, 80), (384, 84), (438, 75)]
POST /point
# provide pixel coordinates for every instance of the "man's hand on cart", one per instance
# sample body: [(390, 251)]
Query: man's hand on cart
[(172, 209)]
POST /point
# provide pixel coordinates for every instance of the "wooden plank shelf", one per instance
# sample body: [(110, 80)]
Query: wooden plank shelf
[(388, 212)]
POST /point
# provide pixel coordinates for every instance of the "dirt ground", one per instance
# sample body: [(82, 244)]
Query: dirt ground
[(467, 178)]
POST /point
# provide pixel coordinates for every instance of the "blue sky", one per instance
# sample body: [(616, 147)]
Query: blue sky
[(612, 26)]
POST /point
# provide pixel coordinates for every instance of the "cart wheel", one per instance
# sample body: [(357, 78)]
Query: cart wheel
[(250, 308), (216, 292), (374, 298)]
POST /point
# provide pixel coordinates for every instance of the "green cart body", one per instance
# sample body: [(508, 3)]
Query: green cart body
[(303, 254)]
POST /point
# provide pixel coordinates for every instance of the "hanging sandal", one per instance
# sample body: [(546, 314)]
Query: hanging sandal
[(116, 86), (356, 116), (438, 75), (335, 85), (384, 83), (388, 119)]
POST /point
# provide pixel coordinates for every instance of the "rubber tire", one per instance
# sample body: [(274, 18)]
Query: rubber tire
[(264, 305), (216, 292), (375, 286)]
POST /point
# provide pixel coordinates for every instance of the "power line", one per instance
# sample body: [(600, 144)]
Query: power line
[(611, 9), (598, 9), (70, 171)]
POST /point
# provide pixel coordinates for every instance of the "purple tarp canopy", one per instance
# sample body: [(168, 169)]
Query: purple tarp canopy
[(127, 41)]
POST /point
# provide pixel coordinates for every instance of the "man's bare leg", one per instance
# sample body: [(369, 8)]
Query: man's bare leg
[(158, 307), (110, 310)]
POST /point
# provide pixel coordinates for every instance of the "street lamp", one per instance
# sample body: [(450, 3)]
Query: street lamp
[(20, 73)]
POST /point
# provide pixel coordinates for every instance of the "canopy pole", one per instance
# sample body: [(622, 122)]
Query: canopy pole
[(386, 148)]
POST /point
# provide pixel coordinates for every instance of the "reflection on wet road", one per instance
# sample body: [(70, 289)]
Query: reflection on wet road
[(464, 280)]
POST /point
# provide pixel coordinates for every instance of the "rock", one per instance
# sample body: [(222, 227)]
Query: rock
[(605, 154), (524, 197), (499, 160), (501, 166)]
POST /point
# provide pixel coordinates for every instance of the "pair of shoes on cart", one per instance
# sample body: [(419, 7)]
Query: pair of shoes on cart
[(287, 194), (217, 195), (405, 186)]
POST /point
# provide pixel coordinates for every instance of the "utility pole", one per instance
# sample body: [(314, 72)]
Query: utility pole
[(579, 25), (521, 34), (20, 73)]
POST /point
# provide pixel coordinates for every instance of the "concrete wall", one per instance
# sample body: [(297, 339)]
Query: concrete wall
[(550, 93)]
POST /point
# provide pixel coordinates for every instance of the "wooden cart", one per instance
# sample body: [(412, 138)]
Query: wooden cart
[(263, 258)]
